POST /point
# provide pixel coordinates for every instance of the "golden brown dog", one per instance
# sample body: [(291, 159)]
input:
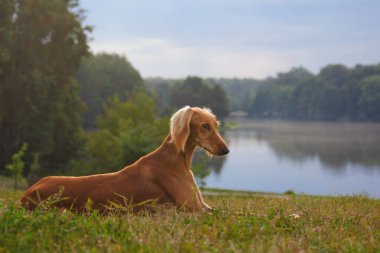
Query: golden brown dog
[(164, 175)]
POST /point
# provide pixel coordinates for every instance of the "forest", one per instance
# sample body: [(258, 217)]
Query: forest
[(336, 93), (66, 110)]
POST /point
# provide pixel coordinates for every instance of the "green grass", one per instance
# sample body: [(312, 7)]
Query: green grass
[(241, 223)]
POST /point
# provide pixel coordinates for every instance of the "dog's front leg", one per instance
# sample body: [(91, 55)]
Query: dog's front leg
[(184, 193), (199, 194)]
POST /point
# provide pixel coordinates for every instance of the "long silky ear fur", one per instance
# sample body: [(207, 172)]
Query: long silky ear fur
[(180, 127)]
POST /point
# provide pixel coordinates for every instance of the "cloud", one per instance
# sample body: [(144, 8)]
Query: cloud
[(159, 57), (239, 38), (151, 56)]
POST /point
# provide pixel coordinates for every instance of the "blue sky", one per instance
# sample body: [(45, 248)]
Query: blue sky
[(235, 38)]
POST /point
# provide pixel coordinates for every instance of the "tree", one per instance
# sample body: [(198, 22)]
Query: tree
[(102, 76), (336, 93), (239, 91), (262, 105), (336, 74), (126, 131), (17, 165), (195, 92), (369, 101), (294, 77), (217, 100), (41, 45)]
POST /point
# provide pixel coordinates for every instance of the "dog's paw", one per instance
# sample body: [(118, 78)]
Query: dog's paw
[(208, 209)]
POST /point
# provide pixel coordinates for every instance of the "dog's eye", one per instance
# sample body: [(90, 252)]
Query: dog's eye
[(206, 126)]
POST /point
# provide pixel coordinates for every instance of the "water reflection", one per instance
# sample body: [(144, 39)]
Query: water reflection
[(301, 156), (335, 145)]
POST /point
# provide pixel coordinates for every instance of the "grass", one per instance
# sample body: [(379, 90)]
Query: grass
[(241, 223)]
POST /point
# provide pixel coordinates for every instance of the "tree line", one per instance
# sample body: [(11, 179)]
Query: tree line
[(336, 93)]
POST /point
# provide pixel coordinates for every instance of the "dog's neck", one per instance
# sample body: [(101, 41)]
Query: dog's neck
[(186, 156)]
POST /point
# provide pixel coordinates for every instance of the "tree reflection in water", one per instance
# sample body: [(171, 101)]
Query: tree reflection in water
[(336, 145)]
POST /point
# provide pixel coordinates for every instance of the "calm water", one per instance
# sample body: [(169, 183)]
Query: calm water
[(312, 158)]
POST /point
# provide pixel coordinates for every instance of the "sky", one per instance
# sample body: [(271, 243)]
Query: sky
[(235, 38)]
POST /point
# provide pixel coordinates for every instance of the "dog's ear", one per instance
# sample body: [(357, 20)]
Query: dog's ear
[(180, 127)]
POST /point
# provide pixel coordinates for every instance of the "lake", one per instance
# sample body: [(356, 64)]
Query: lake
[(310, 158)]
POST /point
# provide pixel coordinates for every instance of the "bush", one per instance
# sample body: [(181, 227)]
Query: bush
[(17, 166), (126, 131)]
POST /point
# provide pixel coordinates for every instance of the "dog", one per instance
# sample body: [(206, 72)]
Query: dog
[(163, 175)]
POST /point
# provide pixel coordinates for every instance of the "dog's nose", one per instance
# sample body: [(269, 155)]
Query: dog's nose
[(225, 151)]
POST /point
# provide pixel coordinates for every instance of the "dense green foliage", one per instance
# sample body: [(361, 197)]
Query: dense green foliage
[(102, 76), (49, 83), (336, 93), (17, 166), (193, 91), (369, 100), (41, 45), (126, 131), (242, 222), (240, 92)]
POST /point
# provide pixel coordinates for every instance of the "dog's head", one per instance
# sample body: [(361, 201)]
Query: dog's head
[(199, 127)]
